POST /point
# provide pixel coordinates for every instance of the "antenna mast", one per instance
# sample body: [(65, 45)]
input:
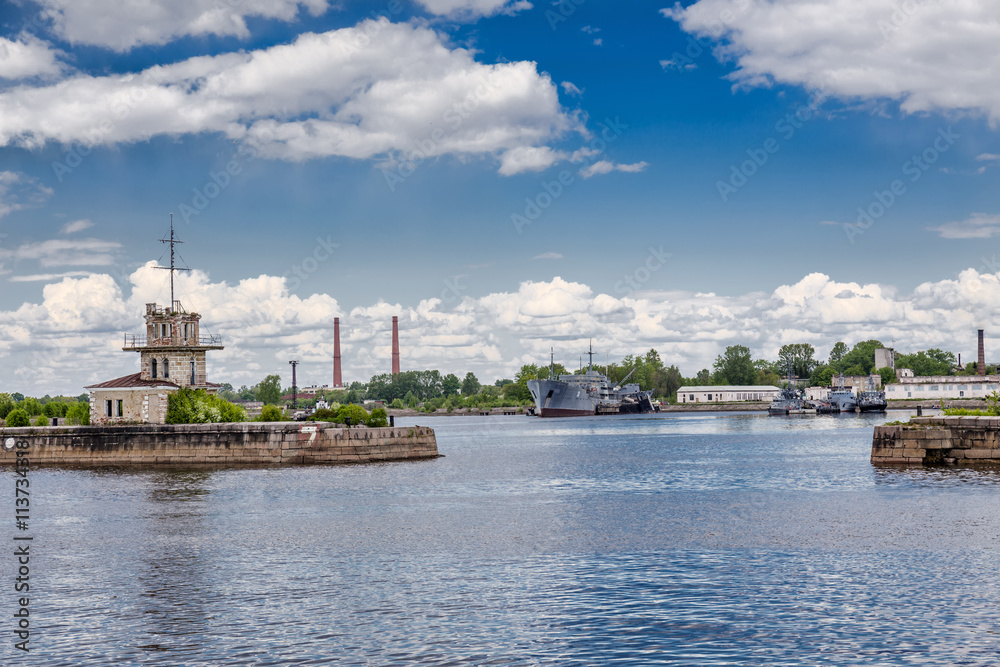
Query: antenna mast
[(172, 240)]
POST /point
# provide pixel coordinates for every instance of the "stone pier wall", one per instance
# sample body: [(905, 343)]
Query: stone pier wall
[(248, 443), (939, 441)]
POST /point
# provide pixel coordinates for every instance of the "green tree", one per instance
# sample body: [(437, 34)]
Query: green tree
[(860, 360), (18, 396), (822, 376), (378, 418), (197, 406), (7, 404), (51, 409), (470, 385), (41, 420), (32, 406), (704, 378), (79, 414), (798, 357), (888, 375), (269, 390), (18, 417), (735, 366), (271, 413), (929, 362), (246, 394), (837, 354), (356, 413), (450, 385)]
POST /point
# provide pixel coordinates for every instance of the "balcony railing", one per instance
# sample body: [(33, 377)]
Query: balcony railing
[(138, 340)]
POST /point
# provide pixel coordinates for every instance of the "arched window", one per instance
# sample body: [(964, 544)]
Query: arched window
[(152, 369), (192, 370), (166, 368)]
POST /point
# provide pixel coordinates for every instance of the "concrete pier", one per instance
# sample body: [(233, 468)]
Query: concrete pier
[(938, 441), (246, 443)]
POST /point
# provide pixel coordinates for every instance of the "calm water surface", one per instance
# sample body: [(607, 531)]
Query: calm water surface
[(701, 539)]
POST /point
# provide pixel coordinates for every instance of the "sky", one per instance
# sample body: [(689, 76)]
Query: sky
[(507, 177)]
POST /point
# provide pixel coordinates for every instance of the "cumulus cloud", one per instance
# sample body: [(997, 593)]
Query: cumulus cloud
[(571, 88), (28, 56), (123, 25), (977, 226), (529, 158), (860, 49), (263, 325), (606, 167), (474, 9), (342, 93)]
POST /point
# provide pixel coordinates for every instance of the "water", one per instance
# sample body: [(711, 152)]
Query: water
[(705, 539)]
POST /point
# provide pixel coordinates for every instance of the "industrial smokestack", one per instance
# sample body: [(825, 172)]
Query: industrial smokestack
[(981, 366), (337, 380), (395, 345)]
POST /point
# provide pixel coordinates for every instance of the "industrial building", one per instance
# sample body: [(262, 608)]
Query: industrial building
[(727, 394)]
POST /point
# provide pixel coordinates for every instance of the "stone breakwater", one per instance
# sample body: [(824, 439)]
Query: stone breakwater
[(248, 443), (938, 441)]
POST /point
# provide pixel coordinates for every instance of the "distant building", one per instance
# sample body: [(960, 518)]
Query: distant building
[(171, 356), (884, 358), (943, 386), (726, 394)]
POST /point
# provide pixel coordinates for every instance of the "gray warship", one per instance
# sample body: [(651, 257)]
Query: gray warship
[(588, 394), (842, 398)]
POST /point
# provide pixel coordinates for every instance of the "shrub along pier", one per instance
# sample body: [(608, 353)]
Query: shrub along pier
[(242, 443)]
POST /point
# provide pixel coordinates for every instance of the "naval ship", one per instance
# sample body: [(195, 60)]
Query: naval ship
[(588, 394), (841, 397)]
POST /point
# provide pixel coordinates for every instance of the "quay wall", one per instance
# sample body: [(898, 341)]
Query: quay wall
[(246, 443), (938, 441)]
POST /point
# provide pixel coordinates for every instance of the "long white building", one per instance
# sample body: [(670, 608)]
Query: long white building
[(942, 386), (726, 394)]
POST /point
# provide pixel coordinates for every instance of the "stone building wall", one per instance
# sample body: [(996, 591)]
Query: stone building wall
[(140, 404), (246, 443)]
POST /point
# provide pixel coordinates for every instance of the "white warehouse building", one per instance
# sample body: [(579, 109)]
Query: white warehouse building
[(727, 394), (942, 386)]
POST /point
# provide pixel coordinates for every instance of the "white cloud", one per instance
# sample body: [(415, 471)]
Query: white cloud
[(978, 226), (76, 226), (263, 325), (19, 191), (65, 252), (860, 49), (606, 167), (598, 42), (548, 255), (571, 88), (590, 30), (27, 56), (47, 277), (529, 158), (123, 25), (343, 93), (474, 9), (988, 157)]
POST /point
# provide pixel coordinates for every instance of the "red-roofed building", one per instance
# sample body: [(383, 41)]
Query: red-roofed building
[(171, 356)]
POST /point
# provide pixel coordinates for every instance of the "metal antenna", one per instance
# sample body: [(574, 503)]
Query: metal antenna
[(172, 240)]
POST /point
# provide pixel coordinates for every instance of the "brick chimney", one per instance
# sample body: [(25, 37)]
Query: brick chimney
[(395, 345), (337, 380), (981, 366)]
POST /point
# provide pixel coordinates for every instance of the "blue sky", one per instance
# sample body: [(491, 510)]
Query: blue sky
[(692, 209)]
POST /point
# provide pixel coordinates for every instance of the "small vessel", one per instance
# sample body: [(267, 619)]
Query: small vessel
[(588, 394), (788, 402), (842, 398), (872, 400)]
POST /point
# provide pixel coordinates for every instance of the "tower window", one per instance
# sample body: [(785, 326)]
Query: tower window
[(121, 413), (152, 368), (166, 368), (192, 370), (107, 408)]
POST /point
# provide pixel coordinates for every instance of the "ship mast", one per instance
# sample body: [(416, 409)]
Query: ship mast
[(590, 353), (172, 240), (552, 363)]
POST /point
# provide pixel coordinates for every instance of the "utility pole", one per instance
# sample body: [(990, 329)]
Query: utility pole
[(294, 387), (172, 241)]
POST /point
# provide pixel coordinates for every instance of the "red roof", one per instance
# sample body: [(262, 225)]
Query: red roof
[(134, 380)]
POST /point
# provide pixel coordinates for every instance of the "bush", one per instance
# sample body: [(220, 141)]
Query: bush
[(271, 413), (41, 420), (323, 415), (356, 413), (397, 404), (187, 406), (18, 417), (79, 414), (378, 418)]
